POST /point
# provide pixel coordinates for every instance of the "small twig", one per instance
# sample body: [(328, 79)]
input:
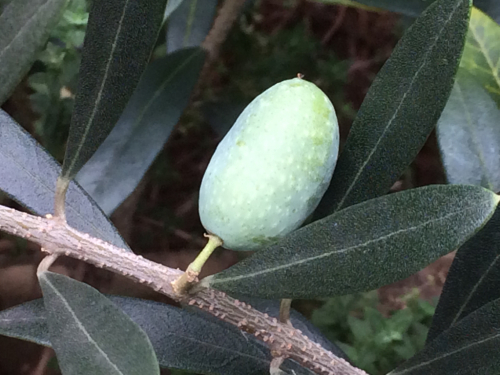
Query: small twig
[(45, 356), (189, 278), (57, 238), (227, 14)]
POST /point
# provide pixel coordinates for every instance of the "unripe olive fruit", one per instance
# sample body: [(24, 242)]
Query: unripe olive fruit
[(270, 171)]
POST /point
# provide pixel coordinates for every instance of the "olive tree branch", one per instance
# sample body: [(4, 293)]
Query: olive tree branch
[(57, 238)]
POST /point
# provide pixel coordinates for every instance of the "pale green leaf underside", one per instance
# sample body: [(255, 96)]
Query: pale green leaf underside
[(482, 52), (189, 25), (143, 128), (28, 174), (182, 339), (469, 135), (90, 334)]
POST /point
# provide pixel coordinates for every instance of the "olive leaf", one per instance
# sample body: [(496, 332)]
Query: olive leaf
[(143, 128), (401, 108), (90, 334), (190, 23), (469, 347), (481, 55), (364, 246), (181, 339), (469, 135), (24, 28), (473, 279), (119, 39), (28, 174)]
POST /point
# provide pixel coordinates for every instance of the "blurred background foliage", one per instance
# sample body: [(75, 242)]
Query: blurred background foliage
[(341, 49)]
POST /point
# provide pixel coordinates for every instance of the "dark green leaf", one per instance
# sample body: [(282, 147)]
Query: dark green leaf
[(363, 247), (119, 40), (401, 107), (190, 23), (142, 130), (473, 279), (469, 135), (28, 174), (482, 52), (468, 348), (90, 334), (180, 338), (24, 29)]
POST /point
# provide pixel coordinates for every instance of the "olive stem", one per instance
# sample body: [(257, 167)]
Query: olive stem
[(186, 281)]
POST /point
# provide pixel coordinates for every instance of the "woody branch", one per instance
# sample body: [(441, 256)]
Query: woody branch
[(57, 238)]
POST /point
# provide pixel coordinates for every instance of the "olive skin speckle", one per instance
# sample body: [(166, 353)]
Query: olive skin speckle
[(270, 171)]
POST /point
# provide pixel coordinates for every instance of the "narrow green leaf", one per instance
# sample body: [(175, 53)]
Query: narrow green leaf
[(473, 279), (90, 334), (363, 247), (24, 29), (190, 23), (181, 339), (28, 174), (468, 348), (142, 130), (119, 40), (482, 52), (401, 107), (469, 135)]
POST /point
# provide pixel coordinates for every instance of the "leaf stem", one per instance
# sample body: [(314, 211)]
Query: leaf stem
[(60, 198)]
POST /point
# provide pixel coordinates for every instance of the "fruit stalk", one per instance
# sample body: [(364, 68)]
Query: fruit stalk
[(185, 282)]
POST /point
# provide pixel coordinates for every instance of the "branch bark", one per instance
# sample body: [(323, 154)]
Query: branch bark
[(57, 238)]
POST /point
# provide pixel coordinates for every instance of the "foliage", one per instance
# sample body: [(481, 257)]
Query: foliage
[(55, 80), (373, 341), (360, 237)]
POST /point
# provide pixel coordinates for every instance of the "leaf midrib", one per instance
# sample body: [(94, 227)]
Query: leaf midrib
[(473, 290), (324, 255), (22, 29), (424, 62), (51, 190), (475, 141), (99, 94), (422, 364), (484, 50), (81, 327)]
